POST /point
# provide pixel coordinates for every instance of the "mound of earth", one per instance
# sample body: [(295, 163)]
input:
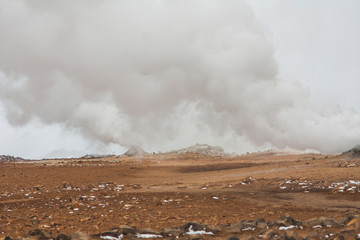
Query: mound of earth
[(135, 151), (203, 149)]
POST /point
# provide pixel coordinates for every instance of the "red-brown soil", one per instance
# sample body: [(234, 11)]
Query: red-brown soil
[(168, 190)]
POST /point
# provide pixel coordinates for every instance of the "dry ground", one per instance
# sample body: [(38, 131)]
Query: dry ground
[(168, 190)]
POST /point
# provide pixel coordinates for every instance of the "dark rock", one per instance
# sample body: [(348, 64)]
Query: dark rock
[(249, 238), (62, 236), (233, 238), (7, 238), (194, 227), (287, 221), (39, 234)]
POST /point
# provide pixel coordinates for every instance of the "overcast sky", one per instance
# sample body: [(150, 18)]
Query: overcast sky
[(315, 46)]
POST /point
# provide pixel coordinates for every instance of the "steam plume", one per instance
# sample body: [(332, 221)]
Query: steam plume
[(161, 74)]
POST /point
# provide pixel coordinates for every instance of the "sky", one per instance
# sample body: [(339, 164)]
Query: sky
[(100, 76)]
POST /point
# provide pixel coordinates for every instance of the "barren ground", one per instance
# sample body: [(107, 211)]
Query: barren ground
[(168, 190)]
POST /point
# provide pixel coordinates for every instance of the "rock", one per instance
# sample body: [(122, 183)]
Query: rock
[(330, 222), (287, 221), (148, 231), (62, 236), (313, 235), (235, 228), (195, 237), (338, 237), (349, 234), (80, 236), (125, 229), (7, 238), (249, 238), (233, 238), (270, 235), (292, 235), (38, 234), (195, 227), (170, 232), (85, 219), (354, 224), (261, 225), (249, 224), (313, 222)]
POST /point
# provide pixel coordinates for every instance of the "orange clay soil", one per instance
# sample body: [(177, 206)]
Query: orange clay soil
[(169, 190)]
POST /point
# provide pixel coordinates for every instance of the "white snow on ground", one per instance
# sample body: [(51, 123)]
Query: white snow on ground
[(317, 226), (286, 228), (248, 228), (112, 238), (347, 186), (192, 232), (138, 235)]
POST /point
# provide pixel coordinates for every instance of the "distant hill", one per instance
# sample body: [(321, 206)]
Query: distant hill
[(354, 152)]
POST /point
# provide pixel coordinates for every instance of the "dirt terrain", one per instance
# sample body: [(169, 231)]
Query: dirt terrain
[(158, 191)]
